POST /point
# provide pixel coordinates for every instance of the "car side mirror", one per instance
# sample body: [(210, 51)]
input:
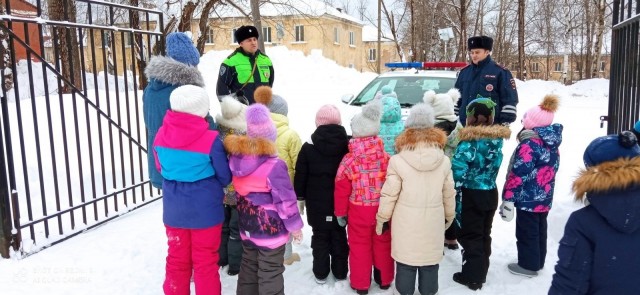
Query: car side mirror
[(347, 98)]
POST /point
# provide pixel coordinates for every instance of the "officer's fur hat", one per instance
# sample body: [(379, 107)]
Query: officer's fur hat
[(246, 32), (481, 42)]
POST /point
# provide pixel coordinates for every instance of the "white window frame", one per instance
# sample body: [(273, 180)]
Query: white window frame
[(233, 36), (336, 35), (299, 33), (128, 39), (603, 66), (210, 37), (375, 55), (266, 34), (535, 67), (557, 67), (352, 39)]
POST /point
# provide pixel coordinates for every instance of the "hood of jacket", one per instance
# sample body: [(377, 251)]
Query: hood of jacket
[(281, 122), (550, 135), (367, 148), (613, 189), (470, 133), (422, 148), (330, 140), (247, 154), (170, 72), (391, 111), (183, 129)]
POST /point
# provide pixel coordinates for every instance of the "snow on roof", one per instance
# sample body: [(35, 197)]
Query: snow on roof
[(370, 34), (274, 8)]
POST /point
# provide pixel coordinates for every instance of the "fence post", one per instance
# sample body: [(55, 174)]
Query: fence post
[(5, 205)]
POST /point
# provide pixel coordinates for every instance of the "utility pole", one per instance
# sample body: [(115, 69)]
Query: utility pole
[(565, 66), (379, 66)]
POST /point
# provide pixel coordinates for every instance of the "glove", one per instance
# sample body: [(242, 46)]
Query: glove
[(342, 220), (297, 237), (508, 114), (301, 207), (507, 211), (382, 227)]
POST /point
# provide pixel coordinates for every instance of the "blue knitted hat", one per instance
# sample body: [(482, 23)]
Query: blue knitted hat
[(636, 130), (180, 47), (610, 148)]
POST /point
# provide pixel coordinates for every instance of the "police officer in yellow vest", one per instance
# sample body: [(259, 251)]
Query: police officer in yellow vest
[(245, 69)]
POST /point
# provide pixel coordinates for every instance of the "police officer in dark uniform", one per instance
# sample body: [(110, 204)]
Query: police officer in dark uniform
[(484, 78), (245, 69)]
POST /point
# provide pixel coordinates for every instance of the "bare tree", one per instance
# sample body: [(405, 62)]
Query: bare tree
[(5, 56), (257, 22), (66, 40), (203, 24), (187, 16), (521, 9), (601, 6)]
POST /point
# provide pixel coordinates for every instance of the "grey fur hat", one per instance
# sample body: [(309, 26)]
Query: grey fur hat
[(367, 122), (421, 115), (278, 105)]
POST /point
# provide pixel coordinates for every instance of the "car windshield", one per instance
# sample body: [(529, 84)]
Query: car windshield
[(409, 89)]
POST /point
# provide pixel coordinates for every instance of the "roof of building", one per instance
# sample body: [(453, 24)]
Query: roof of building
[(274, 8), (370, 34)]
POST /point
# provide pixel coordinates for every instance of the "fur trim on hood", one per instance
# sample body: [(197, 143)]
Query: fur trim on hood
[(613, 175), (413, 138), (173, 72), (244, 145), (481, 132)]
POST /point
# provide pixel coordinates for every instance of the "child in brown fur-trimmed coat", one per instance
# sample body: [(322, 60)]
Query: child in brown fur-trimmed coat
[(418, 195)]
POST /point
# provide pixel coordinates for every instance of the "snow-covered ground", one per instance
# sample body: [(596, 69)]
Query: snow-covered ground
[(127, 256)]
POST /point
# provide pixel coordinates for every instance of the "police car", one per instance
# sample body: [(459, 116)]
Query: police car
[(409, 81)]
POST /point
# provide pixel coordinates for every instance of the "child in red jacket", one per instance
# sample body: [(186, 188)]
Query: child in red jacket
[(359, 180)]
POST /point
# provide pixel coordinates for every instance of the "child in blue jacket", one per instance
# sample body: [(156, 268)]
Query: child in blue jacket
[(598, 253), (195, 169), (530, 182)]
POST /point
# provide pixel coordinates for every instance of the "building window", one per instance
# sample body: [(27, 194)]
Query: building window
[(210, 36), (336, 36), (299, 33), (128, 39), (603, 66), (266, 34), (535, 67), (352, 38), (558, 67), (372, 54), (233, 36)]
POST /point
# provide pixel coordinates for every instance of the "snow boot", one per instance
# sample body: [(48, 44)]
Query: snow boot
[(516, 269)]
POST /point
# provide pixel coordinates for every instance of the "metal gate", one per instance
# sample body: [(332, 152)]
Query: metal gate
[(73, 144), (624, 98)]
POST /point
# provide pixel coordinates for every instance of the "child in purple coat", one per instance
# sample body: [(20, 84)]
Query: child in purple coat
[(267, 204)]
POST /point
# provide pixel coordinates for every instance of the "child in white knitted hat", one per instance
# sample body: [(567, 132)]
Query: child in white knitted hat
[(193, 163)]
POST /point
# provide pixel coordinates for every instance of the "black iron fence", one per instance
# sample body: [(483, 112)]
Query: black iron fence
[(624, 98), (72, 138)]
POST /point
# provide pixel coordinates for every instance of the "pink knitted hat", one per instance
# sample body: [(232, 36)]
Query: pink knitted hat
[(259, 124), (328, 114), (541, 115)]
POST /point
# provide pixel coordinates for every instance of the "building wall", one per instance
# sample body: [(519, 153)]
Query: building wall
[(389, 54), (319, 33), (23, 9), (121, 57), (551, 68)]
